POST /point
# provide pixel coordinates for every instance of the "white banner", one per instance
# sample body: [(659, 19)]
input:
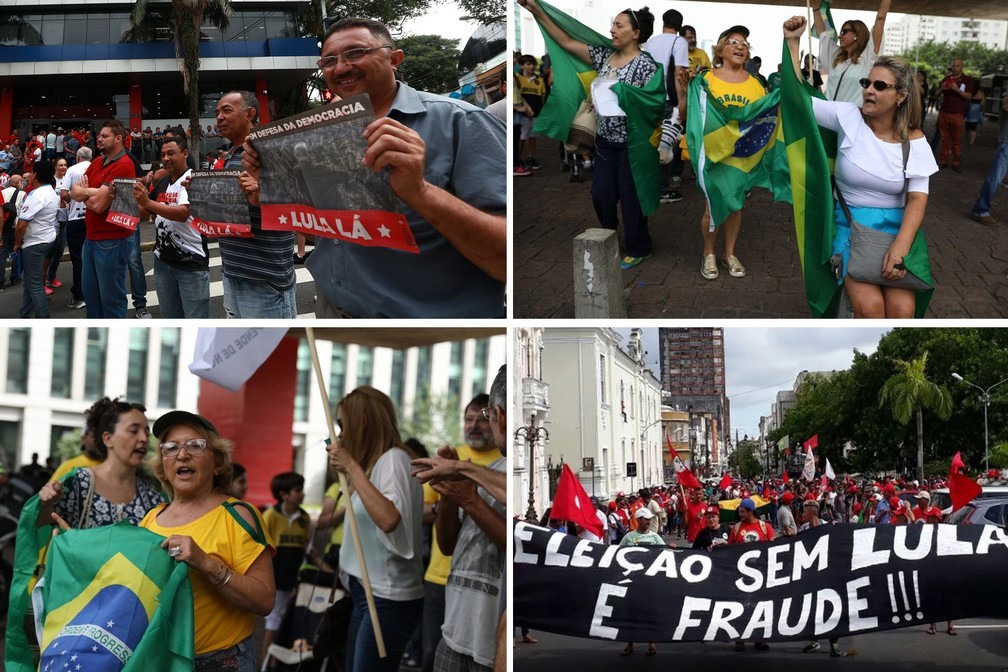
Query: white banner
[(229, 356)]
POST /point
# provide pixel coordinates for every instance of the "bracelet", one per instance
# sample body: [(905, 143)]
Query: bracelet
[(220, 575), (226, 579)]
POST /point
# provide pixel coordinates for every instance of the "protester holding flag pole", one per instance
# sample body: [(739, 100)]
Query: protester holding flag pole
[(849, 57), (220, 538), (388, 509), (629, 98), (882, 172)]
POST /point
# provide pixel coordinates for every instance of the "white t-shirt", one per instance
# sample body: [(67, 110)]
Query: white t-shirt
[(664, 46), (869, 171), (61, 184), (39, 210), (850, 89), (394, 560), (176, 239), (72, 177)]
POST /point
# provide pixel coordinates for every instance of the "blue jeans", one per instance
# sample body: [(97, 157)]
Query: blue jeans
[(76, 231), (57, 251), (33, 293), (990, 186), (182, 294), (612, 185), (104, 277), (138, 279), (252, 300), (239, 658), (398, 621)]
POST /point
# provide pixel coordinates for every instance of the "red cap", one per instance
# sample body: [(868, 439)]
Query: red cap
[(612, 506), (787, 497), (890, 488), (712, 510), (895, 503)]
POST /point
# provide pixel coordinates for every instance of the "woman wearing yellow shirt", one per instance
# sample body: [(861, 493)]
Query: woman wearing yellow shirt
[(731, 85), (219, 537)]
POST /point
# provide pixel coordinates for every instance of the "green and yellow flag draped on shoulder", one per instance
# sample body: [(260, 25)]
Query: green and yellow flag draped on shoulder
[(734, 149), (643, 105)]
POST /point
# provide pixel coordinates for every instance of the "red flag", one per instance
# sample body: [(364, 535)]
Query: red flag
[(785, 477), (725, 481), (962, 488), (571, 502), (812, 443), (958, 466), (671, 448), (686, 477)]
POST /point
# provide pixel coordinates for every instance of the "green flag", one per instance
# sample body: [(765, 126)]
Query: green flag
[(734, 149), (824, 11), (811, 188), (643, 105), (115, 601)]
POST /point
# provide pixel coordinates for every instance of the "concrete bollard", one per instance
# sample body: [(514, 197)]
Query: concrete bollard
[(598, 282)]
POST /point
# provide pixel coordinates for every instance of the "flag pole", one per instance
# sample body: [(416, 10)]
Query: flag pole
[(811, 20), (372, 610)]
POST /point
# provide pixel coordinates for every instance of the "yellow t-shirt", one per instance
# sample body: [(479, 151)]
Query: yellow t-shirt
[(735, 95), (218, 624), (333, 492), (81, 460), (698, 59), (440, 564)]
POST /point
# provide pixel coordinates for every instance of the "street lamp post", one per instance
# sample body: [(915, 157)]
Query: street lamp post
[(985, 398), (532, 435), (643, 432)]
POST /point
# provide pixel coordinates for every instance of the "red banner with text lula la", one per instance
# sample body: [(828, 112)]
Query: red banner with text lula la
[(370, 228)]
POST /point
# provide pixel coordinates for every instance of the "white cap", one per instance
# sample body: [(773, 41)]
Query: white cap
[(644, 513), (923, 494)]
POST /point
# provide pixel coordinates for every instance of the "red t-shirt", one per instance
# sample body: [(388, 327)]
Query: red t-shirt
[(98, 173), (742, 533), (694, 519), (953, 103)]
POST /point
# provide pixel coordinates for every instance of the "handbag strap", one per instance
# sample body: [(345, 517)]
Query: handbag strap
[(839, 82), (87, 499)]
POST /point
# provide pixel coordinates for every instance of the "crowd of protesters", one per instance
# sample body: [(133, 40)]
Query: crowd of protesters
[(889, 97)]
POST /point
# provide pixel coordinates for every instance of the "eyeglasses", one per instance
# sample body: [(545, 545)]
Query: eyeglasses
[(348, 56), (878, 84), (486, 412), (193, 447), (739, 43)]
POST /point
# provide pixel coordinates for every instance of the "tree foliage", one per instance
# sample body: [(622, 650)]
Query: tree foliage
[(485, 11), (431, 63), (435, 421), (745, 460), (844, 408), (934, 57)]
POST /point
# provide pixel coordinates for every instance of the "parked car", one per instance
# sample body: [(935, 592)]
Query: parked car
[(981, 511), (941, 498)]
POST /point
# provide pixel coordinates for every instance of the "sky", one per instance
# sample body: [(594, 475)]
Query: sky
[(762, 360), (443, 19)]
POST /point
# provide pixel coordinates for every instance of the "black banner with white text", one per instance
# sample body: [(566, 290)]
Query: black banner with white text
[(828, 582)]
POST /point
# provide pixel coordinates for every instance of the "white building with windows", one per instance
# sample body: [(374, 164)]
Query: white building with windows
[(51, 375), (911, 29), (607, 422)]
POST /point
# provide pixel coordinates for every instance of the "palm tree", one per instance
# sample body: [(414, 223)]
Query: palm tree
[(909, 392), (186, 18)]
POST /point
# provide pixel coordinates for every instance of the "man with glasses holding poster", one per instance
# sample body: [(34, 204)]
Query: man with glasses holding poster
[(445, 161)]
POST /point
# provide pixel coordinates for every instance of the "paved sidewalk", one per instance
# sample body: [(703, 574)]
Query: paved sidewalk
[(969, 261)]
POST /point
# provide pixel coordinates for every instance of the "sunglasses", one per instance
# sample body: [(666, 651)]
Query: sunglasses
[(878, 84), (847, 30)]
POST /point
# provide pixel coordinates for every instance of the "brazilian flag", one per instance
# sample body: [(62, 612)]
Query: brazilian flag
[(827, 15), (643, 105), (113, 602), (734, 149), (729, 508)]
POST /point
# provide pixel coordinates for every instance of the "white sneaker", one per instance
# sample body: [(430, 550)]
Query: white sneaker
[(708, 269)]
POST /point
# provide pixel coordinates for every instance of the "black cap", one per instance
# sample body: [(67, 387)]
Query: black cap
[(742, 30), (173, 418), (526, 58)]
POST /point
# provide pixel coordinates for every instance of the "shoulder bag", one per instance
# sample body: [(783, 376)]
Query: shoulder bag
[(869, 246)]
